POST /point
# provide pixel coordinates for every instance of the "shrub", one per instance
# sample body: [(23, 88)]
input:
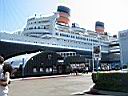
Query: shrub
[(111, 81)]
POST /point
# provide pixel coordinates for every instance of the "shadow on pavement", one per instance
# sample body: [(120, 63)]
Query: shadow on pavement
[(94, 93)]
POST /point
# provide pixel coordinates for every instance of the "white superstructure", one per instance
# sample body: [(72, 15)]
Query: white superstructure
[(45, 31)]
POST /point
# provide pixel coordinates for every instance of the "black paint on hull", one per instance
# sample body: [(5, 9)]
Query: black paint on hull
[(8, 49)]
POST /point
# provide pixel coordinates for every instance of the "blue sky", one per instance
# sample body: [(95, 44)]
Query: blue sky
[(14, 13)]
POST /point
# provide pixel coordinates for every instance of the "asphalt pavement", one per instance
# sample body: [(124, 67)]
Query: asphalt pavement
[(59, 85)]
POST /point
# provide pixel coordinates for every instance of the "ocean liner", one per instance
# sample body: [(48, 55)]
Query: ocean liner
[(54, 33)]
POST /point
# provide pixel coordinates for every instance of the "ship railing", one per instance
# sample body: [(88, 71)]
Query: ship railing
[(46, 36), (78, 29)]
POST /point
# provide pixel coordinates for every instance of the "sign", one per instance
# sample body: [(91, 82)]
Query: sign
[(123, 34), (97, 51)]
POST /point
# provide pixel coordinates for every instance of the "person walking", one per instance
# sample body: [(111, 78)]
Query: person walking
[(1, 64), (5, 79), (86, 69)]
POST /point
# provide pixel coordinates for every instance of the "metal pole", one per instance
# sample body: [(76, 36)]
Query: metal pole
[(22, 67), (97, 64), (92, 57), (93, 64)]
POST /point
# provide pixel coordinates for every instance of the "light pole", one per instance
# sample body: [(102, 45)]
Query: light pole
[(92, 57), (99, 53), (22, 67), (96, 54)]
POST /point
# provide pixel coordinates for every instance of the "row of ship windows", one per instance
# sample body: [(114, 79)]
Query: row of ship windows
[(78, 42), (38, 27), (85, 47), (69, 31), (38, 22), (80, 38), (42, 27), (35, 33), (77, 37)]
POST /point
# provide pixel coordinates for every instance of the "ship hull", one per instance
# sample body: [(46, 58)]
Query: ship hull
[(9, 49)]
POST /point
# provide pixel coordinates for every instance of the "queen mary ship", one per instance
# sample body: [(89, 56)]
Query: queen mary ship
[(54, 33)]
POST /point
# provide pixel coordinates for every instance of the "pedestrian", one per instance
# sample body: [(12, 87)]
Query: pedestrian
[(5, 79), (1, 64), (86, 69), (76, 71)]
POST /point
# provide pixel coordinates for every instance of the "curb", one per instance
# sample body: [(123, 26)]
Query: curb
[(42, 77), (114, 93), (93, 91)]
